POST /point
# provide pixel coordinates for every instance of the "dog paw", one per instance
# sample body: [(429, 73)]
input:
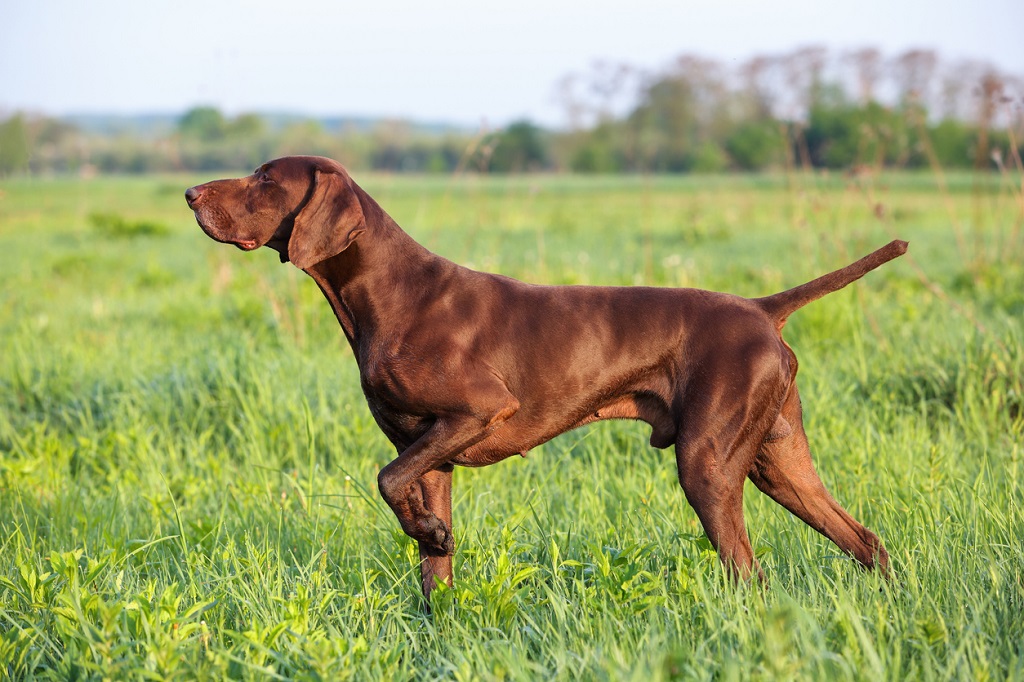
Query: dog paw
[(437, 537)]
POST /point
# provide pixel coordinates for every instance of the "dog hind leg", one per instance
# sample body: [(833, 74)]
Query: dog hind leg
[(783, 470)]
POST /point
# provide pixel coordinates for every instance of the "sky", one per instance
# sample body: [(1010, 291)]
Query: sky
[(461, 61)]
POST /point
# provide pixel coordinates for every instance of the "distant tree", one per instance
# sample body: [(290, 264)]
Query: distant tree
[(665, 122), (607, 83), (955, 87), (867, 64), (840, 134), (203, 123), (913, 72), (803, 74), (990, 95), (953, 141), (708, 157), (831, 137), (15, 150), (756, 98), (677, 112), (806, 107), (520, 147), (246, 126), (209, 141), (755, 145), (56, 146), (304, 137), (596, 152)]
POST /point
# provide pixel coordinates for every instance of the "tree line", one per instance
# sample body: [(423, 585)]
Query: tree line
[(808, 108)]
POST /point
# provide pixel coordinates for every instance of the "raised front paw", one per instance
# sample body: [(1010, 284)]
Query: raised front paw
[(437, 537)]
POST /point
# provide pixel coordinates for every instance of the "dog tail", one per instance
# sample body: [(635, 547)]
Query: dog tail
[(781, 305)]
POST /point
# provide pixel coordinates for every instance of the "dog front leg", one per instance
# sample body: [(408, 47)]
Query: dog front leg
[(435, 491), (417, 485)]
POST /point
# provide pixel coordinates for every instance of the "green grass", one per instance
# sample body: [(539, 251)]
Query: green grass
[(187, 467)]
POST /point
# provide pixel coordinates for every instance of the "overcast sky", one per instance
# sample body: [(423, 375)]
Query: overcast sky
[(450, 60)]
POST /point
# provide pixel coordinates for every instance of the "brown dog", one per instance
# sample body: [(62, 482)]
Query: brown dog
[(468, 368)]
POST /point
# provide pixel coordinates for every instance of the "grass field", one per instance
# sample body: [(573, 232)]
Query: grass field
[(188, 470)]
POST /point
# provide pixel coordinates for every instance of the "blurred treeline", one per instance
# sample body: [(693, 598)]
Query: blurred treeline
[(806, 108)]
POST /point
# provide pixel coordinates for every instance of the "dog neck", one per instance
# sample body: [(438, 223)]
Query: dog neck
[(374, 281)]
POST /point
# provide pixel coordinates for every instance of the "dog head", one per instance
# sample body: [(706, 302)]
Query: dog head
[(304, 207)]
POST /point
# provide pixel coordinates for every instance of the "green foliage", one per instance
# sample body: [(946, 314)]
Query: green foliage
[(247, 126), (756, 145), (953, 142), (209, 141), (418, 156), (203, 123), (117, 226), (14, 145), (842, 135), (187, 465), (857, 111), (667, 116), (690, 118), (596, 152), (709, 158), (519, 147)]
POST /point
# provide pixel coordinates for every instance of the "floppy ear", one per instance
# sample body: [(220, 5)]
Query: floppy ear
[(330, 221)]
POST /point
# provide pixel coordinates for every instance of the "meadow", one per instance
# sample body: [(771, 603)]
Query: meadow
[(188, 469)]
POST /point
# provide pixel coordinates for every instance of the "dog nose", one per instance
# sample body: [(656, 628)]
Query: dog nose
[(192, 195)]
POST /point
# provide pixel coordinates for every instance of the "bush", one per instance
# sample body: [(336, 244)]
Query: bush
[(116, 226), (755, 145)]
